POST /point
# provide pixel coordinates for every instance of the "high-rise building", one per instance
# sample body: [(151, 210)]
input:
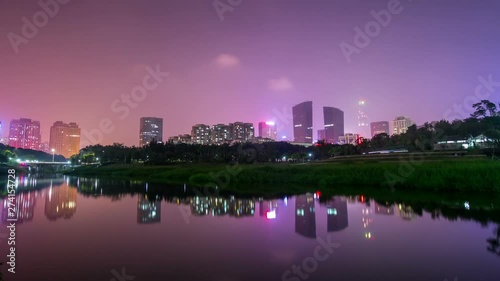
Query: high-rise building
[(268, 130), (362, 118), (400, 125), (241, 132), (65, 138), (151, 128), (200, 134), (334, 124), (321, 135), (220, 134), (25, 133), (349, 139), (303, 122), (381, 127)]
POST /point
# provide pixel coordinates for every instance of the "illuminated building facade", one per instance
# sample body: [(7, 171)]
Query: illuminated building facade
[(200, 134), (303, 122), (321, 135), (151, 128), (25, 133), (220, 134), (362, 118), (349, 139), (268, 130), (334, 124), (381, 127), (400, 125), (186, 138), (65, 139), (241, 132)]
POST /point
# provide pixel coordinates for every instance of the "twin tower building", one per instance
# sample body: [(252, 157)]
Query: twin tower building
[(303, 123)]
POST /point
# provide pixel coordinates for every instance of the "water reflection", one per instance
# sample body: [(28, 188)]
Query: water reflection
[(60, 202), (305, 219), (148, 211), (337, 217), (24, 206)]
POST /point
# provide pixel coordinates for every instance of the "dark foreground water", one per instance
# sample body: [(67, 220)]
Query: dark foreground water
[(84, 229)]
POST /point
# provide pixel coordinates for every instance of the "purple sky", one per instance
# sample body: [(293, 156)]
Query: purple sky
[(263, 57)]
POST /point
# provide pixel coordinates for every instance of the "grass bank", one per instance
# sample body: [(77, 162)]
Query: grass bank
[(476, 175)]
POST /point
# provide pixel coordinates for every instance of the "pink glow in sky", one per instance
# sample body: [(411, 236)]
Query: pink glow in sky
[(263, 58)]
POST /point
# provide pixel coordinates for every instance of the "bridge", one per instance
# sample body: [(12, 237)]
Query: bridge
[(46, 166)]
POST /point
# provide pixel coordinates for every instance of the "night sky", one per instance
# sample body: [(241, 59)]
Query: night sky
[(262, 58)]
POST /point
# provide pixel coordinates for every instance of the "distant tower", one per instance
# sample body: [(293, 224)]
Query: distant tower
[(303, 122), (362, 119), (150, 128)]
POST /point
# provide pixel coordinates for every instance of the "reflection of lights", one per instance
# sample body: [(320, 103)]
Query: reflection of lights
[(300, 212), (331, 211), (285, 200), (271, 215), (466, 205), (368, 235)]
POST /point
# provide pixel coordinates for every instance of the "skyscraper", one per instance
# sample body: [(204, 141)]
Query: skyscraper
[(400, 125), (303, 122), (379, 128), (25, 133), (362, 119), (268, 130), (65, 138), (334, 124), (220, 133), (151, 128)]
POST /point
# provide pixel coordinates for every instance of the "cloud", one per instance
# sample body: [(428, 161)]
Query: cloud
[(227, 60), (280, 84)]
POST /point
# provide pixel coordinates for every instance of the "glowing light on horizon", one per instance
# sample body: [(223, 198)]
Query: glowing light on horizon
[(271, 215), (270, 123)]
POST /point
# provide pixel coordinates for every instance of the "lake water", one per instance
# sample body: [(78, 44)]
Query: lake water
[(85, 229)]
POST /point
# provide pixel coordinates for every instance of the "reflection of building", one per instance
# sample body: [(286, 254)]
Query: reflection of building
[(25, 133), (268, 208), (148, 211), (302, 122), (218, 206), (406, 212), (60, 202), (381, 127), (384, 210), (334, 124), (65, 138), (268, 130), (337, 218), (305, 216), (24, 207), (151, 128), (241, 207)]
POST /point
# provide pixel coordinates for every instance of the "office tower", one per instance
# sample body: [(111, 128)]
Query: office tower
[(64, 139), (25, 133), (350, 139), (305, 216), (220, 134), (362, 118), (337, 218), (400, 125), (381, 127), (148, 211), (241, 132), (200, 134), (321, 135), (151, 128), (334, 124), (303, 122), (268, 130)]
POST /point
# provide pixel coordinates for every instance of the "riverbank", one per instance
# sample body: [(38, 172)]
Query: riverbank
[(476, 175)]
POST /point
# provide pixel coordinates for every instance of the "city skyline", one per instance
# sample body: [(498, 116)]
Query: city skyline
[(211, 63)]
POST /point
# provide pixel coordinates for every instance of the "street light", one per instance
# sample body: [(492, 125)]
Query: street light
[(53, 154)]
